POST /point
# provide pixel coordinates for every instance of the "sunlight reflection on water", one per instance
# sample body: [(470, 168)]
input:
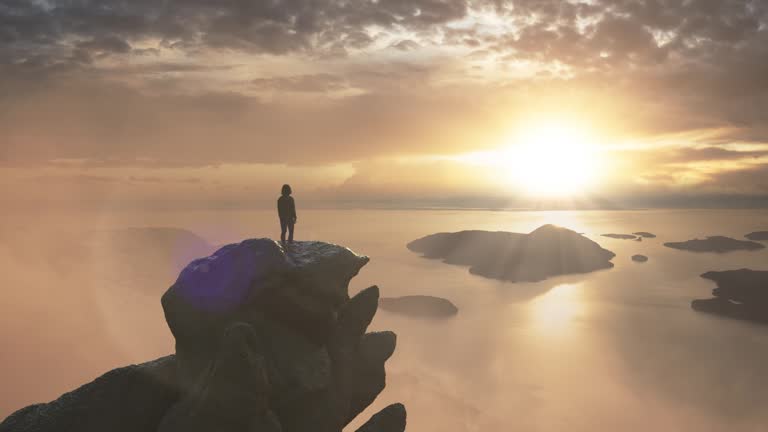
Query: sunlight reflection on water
[(552, 313)]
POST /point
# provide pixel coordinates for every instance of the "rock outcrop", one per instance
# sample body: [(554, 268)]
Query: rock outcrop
[(639, 258), (267, 340), (129, 399), (758, 236), (717, 244), (739, 294), (419, 306), (547, 251)]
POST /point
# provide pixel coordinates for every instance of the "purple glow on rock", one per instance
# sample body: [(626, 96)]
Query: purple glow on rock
[(224, 280)]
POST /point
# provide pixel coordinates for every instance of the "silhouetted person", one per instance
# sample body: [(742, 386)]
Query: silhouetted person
[(286, 209)]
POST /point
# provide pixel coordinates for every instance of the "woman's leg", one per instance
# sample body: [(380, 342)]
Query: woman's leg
[(290, 231), (283, 227)]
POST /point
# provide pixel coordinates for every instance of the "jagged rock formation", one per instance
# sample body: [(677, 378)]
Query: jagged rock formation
[(620, 236), (645, 234), (739, 294), (758, 236), (547, 251), (717, 244), (267, 340), (639, 258), (419, 306)]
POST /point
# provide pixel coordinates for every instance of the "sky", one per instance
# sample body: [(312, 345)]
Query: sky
[(457, 103)]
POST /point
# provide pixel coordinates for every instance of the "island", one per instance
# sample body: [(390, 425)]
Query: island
[(419, 306), (758, 236), (546, 252), (741, 294), (645, 234), (639, 258), (717, 244), (620, 236)]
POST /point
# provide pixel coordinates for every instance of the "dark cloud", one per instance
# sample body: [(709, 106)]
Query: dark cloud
[(276, 27), (406, 45), (163, 67), (109, 44), (752, 180)]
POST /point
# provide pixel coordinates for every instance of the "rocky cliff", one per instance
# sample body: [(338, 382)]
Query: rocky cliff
[(267, 339)]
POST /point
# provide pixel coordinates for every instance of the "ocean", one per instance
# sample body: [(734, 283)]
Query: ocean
[(616, 349)]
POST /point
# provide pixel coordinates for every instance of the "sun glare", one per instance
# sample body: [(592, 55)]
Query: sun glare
[(553, 160)]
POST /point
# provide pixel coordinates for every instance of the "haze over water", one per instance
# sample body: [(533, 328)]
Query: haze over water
[(612, 350)]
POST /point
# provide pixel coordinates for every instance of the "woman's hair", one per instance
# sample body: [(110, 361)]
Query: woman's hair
[(286, 190)]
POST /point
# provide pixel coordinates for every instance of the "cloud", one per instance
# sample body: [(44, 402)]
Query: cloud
[(302, 83), (258, 27), (406, 45)]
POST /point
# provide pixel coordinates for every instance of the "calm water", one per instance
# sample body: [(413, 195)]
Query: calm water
[(617, 349)]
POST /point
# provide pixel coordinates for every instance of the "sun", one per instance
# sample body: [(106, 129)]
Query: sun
[(553, 159)]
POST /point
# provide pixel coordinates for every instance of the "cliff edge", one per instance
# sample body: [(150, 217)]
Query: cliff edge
[(267, 339)]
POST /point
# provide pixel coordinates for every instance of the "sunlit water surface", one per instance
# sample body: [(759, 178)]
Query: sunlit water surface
[(618, 349)]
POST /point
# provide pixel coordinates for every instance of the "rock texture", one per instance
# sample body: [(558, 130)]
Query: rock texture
[(419, 306), (758, 236), (129, 399), (639, 258), (718, 244), (267, 339), (739, 294), (548, 251)]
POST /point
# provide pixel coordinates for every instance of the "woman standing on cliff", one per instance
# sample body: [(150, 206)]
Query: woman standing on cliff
[(286, 210)]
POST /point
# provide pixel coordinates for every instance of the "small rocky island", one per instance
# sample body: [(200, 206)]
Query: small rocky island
[(546, 252), (645, 234), (739, 294), (620, 236), (717, 244), (758, 236), (267, 340), (639, 258), (639, 236), (419, 306)]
